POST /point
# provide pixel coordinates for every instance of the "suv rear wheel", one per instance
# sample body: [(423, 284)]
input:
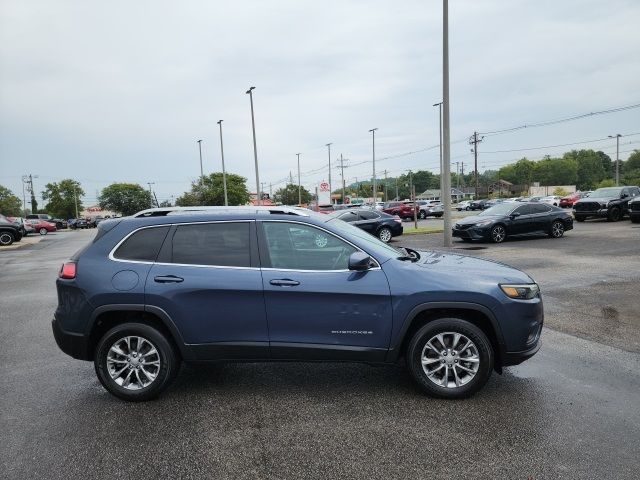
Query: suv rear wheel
[(6, 239), (135, 362), (450, 358), (614, 214)]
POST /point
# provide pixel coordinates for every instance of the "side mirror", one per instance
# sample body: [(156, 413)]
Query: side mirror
[(624, 195), (359, 261), (515, 214)]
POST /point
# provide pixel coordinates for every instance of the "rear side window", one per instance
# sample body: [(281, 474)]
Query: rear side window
[(368, 215), (143, 245), (224, 244), (541, 208)]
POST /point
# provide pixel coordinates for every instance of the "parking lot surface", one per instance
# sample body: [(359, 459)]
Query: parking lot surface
[(569, 412)]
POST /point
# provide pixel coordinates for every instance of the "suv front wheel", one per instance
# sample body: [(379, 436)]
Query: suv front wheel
[(135, 362), (450, 358)]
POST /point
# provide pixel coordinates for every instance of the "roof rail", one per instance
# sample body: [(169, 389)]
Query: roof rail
[(163, 211)]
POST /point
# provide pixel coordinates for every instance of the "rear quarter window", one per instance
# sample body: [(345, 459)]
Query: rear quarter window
[(143, 245)]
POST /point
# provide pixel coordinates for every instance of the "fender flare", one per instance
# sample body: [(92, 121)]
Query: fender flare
[(394, 351), (137, 307)]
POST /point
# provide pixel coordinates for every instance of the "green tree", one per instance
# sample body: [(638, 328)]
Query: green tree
[(125, 198), (288, 195), (62, 198), (631, 169), (9, 203), (590, 170), (607, 182), (210, 191)]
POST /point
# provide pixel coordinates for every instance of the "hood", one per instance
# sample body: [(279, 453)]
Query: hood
[(598, 200), (464, 267), (476, 219)]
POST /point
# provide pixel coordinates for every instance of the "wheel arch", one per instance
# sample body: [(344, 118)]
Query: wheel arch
[(477, 314), (106, 317)]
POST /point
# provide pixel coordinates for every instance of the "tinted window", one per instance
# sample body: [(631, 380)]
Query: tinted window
[(365, 215), (523, 209), (224, 244), (143, 245), (303, 247), (541, 208), (349, 216), (634, 191)]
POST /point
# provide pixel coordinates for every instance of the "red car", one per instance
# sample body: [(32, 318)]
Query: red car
[(568, 201), (42, 226), (403, 210)]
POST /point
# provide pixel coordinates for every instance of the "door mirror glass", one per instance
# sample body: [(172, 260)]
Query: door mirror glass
[(359, 261), (515, 214)]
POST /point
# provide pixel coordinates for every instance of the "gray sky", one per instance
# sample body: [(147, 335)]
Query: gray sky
[(121, 90)]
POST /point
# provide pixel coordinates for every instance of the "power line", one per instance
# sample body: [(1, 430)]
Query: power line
[(562, 120)]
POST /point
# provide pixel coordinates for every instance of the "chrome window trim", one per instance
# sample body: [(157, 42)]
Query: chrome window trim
[(377, 267), (145, 262)]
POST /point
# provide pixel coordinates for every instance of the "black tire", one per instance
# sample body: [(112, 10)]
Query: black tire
[(467, 209), (384, 234), (580, 218), (635, 219), (422, 215), (481, 343), (468, 240), (557, 229), (614, 214), (6, 239), (168, 359), (498, 233)]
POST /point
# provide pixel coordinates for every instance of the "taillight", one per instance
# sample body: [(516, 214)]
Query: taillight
[(68, 270)]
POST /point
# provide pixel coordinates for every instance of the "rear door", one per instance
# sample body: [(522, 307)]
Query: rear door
[(207, 278), (368, 221), (542, 217), (316, 307)]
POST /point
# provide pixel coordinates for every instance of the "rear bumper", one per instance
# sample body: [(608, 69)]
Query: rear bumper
[(73, 344)]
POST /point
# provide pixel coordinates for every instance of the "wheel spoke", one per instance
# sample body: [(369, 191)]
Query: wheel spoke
[(455, 376), (118, 363), (456, 339), (451, 369), (465, 368), (445, 378), (150, 376), (117, 350), (441, 340), (153, 351), (429, 361), (473, 359), (127, 379)]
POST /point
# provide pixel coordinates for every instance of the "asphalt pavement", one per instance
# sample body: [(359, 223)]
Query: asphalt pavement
[(569, 412)]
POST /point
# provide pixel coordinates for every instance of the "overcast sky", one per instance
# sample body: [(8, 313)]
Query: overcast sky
[(121, 90)]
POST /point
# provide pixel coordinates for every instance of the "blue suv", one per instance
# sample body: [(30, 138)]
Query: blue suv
[(278, 284)]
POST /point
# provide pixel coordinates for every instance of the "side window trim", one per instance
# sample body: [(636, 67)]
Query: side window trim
[(112, 256), (265, 260)]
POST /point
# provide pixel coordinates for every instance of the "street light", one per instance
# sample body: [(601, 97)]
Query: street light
[(224, 172), (439, 105), (375, 197), (255, 149), (299, 186), (617, 137), (200, 149), (445, 178), (329, 149)]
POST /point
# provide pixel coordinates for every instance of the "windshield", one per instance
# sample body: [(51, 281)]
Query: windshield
[(500, 209), (370, 242), (606, 192)]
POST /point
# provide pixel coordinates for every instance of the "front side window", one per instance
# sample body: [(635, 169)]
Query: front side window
[(541, 208), (143, 245), (349, 216), (523, 209), (365, 215), (223, 244), (296, 246)]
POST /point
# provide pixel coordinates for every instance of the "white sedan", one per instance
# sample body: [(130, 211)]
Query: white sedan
[(464, 205), (551, 200)]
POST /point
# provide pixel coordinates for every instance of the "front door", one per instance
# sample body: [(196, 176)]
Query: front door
[(207, 279), (316, 307)]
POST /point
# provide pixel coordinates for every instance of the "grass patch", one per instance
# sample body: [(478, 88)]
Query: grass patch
[(419, 230)]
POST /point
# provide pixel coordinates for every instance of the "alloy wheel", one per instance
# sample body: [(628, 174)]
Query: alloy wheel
[(385, 235), (498, 233), (557, 229), (133, 362), (450, 360), (6, 238), (43, 231)]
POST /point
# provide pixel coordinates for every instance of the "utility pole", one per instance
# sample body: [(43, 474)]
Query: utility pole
[(445, 180), (75, 198), (439, 105), (386, 195), (329, 152), (474, 140), (617, 137), (375, 192), (25, 179), (462, 172), (224, 172), (458, 175), (397, 194), (34, 203), (200, 150), (290, 178), (342, 176), (270, 191), (255, 148), (153, 194), (261, 189), (299, 185)]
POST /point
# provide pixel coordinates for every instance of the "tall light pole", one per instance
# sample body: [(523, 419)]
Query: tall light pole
[(200, 150), (445, 178), (329, 151), (255, 149), (617, 137), (439, 105), (224, 172), (299, 186), (375, 197)]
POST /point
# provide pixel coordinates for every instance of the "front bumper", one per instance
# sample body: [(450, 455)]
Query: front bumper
[(73, 344), (474, 233), (516, 358), (603, 212)]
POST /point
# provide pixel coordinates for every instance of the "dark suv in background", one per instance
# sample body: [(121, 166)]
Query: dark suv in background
[(277, 284), (610, 203)]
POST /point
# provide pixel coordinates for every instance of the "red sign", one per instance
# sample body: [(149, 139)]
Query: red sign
[(324, 187)]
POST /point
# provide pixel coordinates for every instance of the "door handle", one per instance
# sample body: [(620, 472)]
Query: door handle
[(168, 279), (284, 282)]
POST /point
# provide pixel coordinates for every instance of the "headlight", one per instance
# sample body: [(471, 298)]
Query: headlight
[(483, 223), (525, 291)]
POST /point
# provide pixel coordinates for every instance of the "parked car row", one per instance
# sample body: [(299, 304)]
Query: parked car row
[(611, 203)]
